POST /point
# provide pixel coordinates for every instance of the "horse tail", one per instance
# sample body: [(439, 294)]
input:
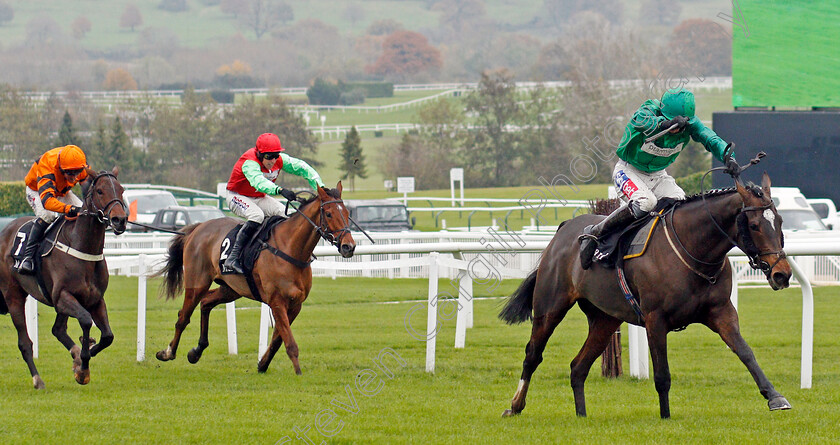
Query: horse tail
[(173, 270), (520, 304)]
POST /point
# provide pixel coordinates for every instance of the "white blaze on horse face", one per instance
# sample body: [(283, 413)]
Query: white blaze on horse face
[(770, 217)]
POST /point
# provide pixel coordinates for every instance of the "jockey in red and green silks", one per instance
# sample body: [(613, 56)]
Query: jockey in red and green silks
[(252, 179), (639, 175)]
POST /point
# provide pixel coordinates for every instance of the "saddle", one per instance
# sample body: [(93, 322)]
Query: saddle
[(631, 242), (45, 247), (250, 252)]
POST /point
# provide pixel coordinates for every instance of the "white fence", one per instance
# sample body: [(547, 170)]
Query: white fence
[(467, 257)]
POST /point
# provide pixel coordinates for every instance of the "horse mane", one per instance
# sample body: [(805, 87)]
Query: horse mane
[(753, 188), (333, 193)]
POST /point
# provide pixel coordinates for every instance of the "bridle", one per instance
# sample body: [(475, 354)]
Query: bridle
[(331, 236), (101, 214), (753, 253)]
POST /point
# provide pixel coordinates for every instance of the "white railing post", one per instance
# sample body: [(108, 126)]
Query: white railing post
[(464, 319), (431, 316), (30, 310), (807, 325), (141, 309), (230, 309), (265, 314), (638, 346)]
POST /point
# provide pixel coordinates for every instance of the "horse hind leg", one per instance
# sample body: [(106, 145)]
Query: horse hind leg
[(17, 311), (100, 317), (191, 300), (541, 330), (59, 331), (223, 294), (68, 305), (724, 321), (601, 329)]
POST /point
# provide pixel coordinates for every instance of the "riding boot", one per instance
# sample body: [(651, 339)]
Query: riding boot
[(591, 234), (234, 260), (27, 264)]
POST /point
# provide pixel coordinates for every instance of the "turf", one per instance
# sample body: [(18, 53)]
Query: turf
[(222, 399)]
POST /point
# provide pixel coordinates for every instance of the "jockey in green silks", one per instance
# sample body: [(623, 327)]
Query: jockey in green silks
[(639, 175)]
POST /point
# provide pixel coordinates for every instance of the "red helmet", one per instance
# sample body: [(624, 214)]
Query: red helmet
[(269, 143)]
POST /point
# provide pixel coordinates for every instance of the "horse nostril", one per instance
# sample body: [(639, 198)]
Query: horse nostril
[(781, 279)]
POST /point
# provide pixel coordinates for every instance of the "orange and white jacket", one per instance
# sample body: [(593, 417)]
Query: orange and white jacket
[(46, 178)]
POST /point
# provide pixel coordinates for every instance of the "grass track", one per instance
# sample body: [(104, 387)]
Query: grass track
[(222, 399)]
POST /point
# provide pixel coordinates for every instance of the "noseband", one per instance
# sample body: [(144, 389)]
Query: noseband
[(323, 229), (753, 252), (101, 214)]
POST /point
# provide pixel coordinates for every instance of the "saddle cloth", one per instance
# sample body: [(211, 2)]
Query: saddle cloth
[(632, 241)]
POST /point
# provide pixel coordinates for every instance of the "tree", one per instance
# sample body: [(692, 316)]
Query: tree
[(98, 149), (67, 134), (352, 159), (131, 17), (81, 26), (560, 12), (234, 7), (455, 14), (384, 27), (492, 149), (354, 13), (661, 12), (405, 53), (323, 93), (119, 79), (121, 151), (704, 46), (173, 5), (262, 16), (7, 13)]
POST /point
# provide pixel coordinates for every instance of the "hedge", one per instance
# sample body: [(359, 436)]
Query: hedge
[(13, 199), (691, 183), (371, 89)]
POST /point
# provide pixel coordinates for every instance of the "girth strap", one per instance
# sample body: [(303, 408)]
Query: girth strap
[(294, 261)]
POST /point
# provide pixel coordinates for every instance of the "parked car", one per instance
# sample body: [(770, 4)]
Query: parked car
[(176, 217), (144, 204), (380, 215), (827, 211), (794, 209)]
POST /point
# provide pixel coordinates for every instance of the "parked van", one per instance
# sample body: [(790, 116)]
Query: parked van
[(144, 204), (380, 215), (827, 211), (794, 209)]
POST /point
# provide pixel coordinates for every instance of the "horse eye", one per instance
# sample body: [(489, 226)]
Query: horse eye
[(754, 226), (99, 192), (329, 215)]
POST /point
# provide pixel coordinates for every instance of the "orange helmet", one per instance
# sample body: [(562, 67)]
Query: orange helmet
[(71, 157), (269, 143)]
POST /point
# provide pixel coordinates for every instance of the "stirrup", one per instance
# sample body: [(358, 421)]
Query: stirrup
[(28, 270)]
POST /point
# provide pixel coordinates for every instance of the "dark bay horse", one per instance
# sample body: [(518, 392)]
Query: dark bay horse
[(193, 264), (75, 278), (683, 278)]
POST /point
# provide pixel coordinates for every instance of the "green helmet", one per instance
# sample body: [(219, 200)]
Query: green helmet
[(678, 102)]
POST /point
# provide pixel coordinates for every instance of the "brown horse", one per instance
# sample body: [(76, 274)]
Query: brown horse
[(75, 278), (193, 263), (676, 286)]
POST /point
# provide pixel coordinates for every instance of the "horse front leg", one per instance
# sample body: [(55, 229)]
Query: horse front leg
[(68, 305), (100, 317), (59, 331), (282, 334), (724, 321), (601, 329), (657, 333)]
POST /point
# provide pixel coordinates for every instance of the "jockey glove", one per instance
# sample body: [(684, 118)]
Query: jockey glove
[(681, 122), (288, 194), (732, 168), (73, 212)]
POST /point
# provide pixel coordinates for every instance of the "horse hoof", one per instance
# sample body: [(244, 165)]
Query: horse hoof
[(777, 403), (37, 382), (91, 341), (83, 377), (298, 372), (509, 413), (193, 356)]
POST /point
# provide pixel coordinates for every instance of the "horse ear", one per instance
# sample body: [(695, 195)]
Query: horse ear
[(339, 188), (115, 171), (739, 186), (765, 183)]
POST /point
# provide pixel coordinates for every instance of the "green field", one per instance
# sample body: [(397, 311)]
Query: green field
[(222, 399), (787, 60)]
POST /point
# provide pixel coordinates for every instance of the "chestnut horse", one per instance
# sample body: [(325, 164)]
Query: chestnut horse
[(683, 278), (75, 278), (193, 263)]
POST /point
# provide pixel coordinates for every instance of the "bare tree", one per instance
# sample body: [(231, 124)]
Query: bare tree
[(263, 16), (131, 17), (81, 26), (7, 13)]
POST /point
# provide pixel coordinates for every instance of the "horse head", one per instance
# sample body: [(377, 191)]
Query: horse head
[(335, 220), (103, 198), (760, 232)]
